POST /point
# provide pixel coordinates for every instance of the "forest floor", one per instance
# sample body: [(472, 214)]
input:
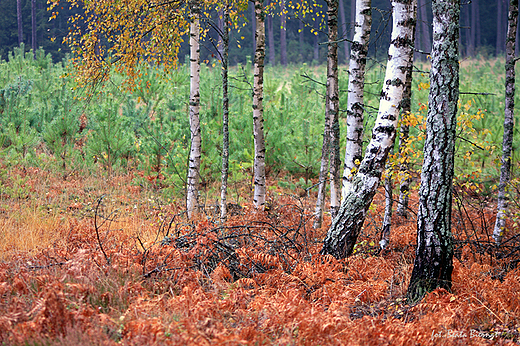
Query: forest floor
[(127, 268)]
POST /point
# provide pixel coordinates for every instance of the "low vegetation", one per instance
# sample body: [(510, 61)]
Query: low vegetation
[(96, 248)]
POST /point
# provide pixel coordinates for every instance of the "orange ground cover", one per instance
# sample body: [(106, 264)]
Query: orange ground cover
[(141, 274)]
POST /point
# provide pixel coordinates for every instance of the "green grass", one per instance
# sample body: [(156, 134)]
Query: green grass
[(148, 129)]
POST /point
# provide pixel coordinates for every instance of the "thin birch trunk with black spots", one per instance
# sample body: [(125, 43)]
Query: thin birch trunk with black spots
[(324, 170), (509, 124), (356, 84), (404, 172), (332, 106), (195, 149), (225, 115), (433, 264), (258, 110), (346, 227)]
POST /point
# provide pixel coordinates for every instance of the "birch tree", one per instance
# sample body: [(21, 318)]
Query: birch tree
[(324, 170), (345, 228), (225, 114), (509, 123), (330, 148), (258, 110), (194, 105), (433, 263), (389, 197), (356, 83), (332, 106)]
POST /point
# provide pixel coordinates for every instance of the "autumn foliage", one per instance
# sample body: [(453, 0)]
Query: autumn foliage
[(129, 269)]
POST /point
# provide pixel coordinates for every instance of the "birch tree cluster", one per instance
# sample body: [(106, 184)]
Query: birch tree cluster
[(136, 37)]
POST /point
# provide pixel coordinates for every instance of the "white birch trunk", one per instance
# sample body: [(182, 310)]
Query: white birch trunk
[(347, 225), (324, 169), (509, 124), (356, 83), (258, 110), (225, 115), (332, 106), (195, 150)]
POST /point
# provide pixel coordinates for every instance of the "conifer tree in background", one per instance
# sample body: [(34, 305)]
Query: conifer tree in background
[(258, 110), (433, 264), (345, 228), (356, 84), (194, 105), (509, 123)]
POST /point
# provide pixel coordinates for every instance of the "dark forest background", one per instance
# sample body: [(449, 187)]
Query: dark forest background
[(483, 30)]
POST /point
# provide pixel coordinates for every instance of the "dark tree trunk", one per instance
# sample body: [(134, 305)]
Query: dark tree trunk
[(253, 21), (433, 263), (301, 37), (478, 29), (20, 22), (425, 27), (270, 36), (509, 124), (343, 33), (316, 54), (345, 228), (220, 44), (33, 27), (468, 31), (500, 25), (473, 29), (283, 34)]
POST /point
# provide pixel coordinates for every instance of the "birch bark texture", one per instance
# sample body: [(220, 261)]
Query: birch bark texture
[(509, 124), (332, 106), (194, 105), (433, 263), (324, 169), (225, 115), (403, 168), (258, 110), (330, 147), (346, 226), (356, 84), (404, 134)]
